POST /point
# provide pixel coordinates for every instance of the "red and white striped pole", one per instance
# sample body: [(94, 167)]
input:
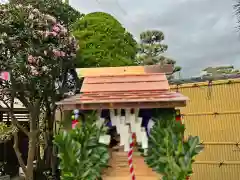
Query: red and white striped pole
[(130, 156)]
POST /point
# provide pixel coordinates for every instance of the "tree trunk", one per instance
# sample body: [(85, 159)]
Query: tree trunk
[(51, 118), (32, 137), (31, 155), (18, 153)]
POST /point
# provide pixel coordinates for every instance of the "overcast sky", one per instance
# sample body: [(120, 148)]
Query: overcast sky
[(199, 33)]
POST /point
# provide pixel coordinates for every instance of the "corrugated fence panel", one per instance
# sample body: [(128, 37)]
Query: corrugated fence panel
[(219, 153), (213, 114), (217, 128), (224, 97), (214, 172)]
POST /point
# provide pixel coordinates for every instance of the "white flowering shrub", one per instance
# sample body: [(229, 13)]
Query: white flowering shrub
[(35, 48), (39, 54)]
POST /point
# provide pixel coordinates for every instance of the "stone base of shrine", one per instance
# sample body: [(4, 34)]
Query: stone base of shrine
[(119, 169)]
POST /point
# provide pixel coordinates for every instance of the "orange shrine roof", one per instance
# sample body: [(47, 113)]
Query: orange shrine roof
[(143, 90), (124, 70)]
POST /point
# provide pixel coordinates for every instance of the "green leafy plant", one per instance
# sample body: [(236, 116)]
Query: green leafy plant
[(6, 132), (82, 156), (151, 51), (103, 42), (168, 154)]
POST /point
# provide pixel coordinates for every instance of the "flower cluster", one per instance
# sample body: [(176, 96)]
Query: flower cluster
[(52, 30), (45, 44)]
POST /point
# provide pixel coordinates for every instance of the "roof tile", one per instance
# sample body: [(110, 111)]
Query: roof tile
[(144, 88), (125, 83)]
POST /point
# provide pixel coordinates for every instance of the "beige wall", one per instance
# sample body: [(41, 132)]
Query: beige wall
[(213, 113)]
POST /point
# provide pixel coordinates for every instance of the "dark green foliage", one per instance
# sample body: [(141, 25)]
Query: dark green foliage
[(168, 154), (103, 42), (82, 156), (151, 48), (163, 113), (62, 11)]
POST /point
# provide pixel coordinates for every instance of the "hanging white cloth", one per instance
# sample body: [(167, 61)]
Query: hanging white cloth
[(138, 130), (112, 117), (150, 125), (144, 138), (117, 122), (127, 139), (122, 130), (122, 119), (133, 123), (127, 115)]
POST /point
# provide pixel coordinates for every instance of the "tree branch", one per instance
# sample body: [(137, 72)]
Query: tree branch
[(21, 97), (18, 154), (35, 112), (13, 118)]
